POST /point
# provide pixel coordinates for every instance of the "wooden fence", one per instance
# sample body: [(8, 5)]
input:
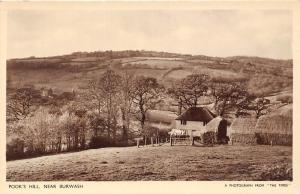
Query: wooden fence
[(181, 141)]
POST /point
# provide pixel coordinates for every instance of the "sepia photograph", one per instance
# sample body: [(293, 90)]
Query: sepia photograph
[(149, 95)]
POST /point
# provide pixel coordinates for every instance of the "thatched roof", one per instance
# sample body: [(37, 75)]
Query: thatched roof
[(202, 114), (280, 121), (161, 116), (243, 126), (286, 111), (213, 124)]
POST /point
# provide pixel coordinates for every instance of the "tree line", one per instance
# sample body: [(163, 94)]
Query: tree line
[(110, 107)]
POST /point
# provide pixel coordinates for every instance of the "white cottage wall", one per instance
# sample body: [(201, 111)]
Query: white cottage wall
[(191, 126)]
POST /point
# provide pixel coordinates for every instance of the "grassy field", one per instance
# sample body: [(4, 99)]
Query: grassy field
[(74, 73), (161, 63), (153, 163)]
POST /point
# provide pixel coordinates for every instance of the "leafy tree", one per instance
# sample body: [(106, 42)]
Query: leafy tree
[(227, 95), (19, 105), (176, 92), (194, 86), (188, 91), (243, 106), (97, 124), (147, 94), (259, 105)]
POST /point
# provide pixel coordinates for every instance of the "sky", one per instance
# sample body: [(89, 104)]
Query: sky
[(41, 33)]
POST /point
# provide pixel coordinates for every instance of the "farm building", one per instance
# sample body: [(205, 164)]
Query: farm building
[(242, 131), (218, 125), (194, 120), (161, 119), (276, 128)]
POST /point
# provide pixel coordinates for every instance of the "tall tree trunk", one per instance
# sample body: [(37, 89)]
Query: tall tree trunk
[(108, 130), (143, 115), (59, 144), (114, 129), (124, 126), (76, 138), (143, 119)]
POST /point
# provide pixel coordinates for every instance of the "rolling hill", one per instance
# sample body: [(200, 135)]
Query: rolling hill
[(67, 72)]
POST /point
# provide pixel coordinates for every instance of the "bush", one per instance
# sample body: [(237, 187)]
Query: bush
[(15, 149), (125, 143), (163, 134), (223, 140), (209, 138), (100, 142)]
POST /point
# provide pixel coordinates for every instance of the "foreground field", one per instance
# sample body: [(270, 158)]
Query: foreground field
[(153, 163)]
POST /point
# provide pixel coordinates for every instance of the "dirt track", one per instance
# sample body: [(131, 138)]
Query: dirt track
[(152, 163)]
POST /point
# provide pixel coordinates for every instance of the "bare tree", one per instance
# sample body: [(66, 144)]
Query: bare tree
[(94, 96), (37, 131), (126, 99), (109, 84), (69, 127), (104, 95)]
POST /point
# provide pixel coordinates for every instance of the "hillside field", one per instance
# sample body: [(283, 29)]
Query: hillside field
[(232, 163), (68, 72)]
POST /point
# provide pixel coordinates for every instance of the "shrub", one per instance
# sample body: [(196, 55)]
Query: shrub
[(125, 143), (100, 142), (209, 138), (15, 149)]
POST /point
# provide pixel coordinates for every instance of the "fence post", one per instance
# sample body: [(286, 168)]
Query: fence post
[(193, 141), (138, 143), (152, 141)]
